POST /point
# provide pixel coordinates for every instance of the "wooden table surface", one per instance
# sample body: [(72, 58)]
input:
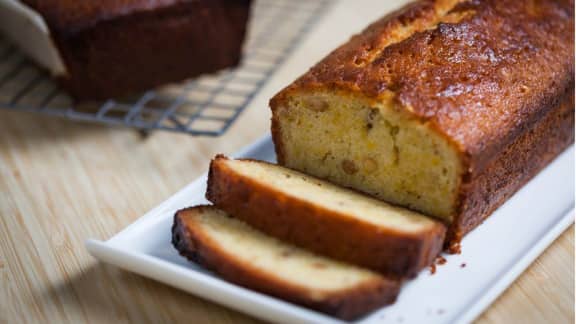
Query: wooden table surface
[(62, 182)]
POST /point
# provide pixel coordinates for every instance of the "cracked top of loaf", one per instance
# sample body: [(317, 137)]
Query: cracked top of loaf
[(478, 71)]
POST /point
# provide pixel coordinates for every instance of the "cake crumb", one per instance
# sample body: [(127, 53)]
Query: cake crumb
[(463, 265), (440, 260), (455, 248)]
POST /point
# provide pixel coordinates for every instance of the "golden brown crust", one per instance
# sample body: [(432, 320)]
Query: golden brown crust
[(198, 247), (458, 75), (321, 230), (515, 165), (490, 83)]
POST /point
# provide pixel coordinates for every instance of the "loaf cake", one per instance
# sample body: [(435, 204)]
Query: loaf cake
[(247, 257), (102, 49), (325, 218), (446, 107)]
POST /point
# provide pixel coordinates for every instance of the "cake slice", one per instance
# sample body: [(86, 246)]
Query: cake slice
[(325, 218), (245, 256)]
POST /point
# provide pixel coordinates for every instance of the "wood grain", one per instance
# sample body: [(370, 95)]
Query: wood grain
[(62, 182)]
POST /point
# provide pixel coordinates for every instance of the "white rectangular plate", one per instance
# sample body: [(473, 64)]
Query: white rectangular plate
[(495, 254)]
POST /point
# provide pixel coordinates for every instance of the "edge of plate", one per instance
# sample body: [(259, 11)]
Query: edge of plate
[(204, 286), (201, 180), (487, 297)]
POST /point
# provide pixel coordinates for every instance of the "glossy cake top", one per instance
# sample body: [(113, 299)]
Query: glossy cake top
[(470, 68)]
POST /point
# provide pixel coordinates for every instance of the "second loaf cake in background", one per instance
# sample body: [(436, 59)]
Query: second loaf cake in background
[(112, 48), (325, 218)]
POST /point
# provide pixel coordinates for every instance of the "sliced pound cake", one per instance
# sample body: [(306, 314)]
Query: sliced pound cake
[(447, 107), (325, 218), (245, 256)]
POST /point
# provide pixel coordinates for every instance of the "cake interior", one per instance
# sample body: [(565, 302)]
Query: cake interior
[(289, 263), (373, 147), (346, 202)]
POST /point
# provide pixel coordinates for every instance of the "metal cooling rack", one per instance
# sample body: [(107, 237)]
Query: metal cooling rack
[(207, 105)]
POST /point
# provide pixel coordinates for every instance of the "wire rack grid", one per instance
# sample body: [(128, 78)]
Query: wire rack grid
[(207, 105)]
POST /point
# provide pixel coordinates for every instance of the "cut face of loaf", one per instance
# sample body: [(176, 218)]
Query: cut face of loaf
[(444, 107), (372, 146), (245, 256), (325, 218)]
